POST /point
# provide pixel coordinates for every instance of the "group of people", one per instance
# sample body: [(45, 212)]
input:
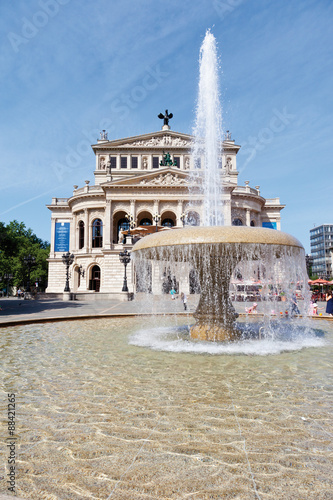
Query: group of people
[(294, 310), (253, 309)]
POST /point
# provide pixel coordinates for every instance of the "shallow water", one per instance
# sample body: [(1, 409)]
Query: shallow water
[(100, 418)]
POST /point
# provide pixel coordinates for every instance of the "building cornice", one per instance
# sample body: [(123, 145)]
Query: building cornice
[(162, 139)]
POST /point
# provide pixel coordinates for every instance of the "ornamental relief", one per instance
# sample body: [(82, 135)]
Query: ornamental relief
[(96, 260), (144, 207), (96, 215), (238, 214), (166, 207), (119, 207), (166, 180), (254, 218), (165, 140)]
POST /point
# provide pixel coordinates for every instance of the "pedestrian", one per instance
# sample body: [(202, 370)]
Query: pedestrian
[(173, 293), (294, 306), (329, 304), (184, 300), (19, 293), (252, 309)]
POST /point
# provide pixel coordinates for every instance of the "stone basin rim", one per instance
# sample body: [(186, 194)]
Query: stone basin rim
[(207, 235)]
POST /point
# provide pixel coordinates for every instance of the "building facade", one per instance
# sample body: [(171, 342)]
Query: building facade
[(136, 179), (321, 244)]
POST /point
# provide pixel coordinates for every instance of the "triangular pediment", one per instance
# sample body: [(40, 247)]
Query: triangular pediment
[(160, 139), (164, 177)]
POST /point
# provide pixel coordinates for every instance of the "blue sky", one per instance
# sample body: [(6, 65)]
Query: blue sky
[(70, 69)]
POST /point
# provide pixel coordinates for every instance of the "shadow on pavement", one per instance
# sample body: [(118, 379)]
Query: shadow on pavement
[(13, 306)]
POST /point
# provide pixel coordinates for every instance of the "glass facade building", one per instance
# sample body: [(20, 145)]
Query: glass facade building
[(321, 242)]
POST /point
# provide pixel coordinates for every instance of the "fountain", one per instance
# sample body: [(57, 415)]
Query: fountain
[(214, 250), (101, 418)]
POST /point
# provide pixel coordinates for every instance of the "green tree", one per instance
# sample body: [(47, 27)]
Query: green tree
[(17, 242)]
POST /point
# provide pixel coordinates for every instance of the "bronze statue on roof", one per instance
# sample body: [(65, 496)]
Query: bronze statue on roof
[(166, 117)]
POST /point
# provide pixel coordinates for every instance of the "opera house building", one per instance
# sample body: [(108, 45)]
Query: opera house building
[(142, 184)]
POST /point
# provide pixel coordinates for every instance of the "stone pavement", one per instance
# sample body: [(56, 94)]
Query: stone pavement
[(14, 310)]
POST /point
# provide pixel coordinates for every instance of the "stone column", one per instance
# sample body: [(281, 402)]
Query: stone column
[(118, 162), (156, 207), (248, 217), (179, 212), (73, 242), (227, 211), (107, 226), (155, 282), (86, 230), (53, 221), (133, 210)]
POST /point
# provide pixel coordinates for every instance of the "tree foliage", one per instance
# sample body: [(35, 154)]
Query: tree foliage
[(17, 242)]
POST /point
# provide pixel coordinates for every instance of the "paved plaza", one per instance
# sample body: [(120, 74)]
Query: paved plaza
[(14, 310)]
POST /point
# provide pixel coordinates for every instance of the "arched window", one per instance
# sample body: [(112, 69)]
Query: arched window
[(81, 234), (97, 233), (252, 223), (145, 222), (95, 281), (168, 223), (237, 222)]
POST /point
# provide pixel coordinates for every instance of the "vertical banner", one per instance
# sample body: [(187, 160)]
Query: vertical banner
[(61, 238)]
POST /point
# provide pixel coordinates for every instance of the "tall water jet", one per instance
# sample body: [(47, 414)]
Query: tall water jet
[(207, 145)]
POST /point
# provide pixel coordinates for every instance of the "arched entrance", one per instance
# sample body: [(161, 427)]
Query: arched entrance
[(95, 280), (168, 219), (144, 218), (120, 223)]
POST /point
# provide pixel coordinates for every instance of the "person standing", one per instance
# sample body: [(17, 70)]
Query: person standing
[(184, 300), (329, 304), (294, 306), (172, 293)]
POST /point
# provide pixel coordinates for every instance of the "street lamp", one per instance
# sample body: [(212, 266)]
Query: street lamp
[(67, 259), (29, 262), (183, 218), (125, 258), (156, 218), (6, 278)]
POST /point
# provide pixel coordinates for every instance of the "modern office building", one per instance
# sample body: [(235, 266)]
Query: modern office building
[(139, 179), (321, 243)]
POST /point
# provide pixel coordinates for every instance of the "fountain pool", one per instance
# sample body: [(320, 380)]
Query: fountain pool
[(98, 417)]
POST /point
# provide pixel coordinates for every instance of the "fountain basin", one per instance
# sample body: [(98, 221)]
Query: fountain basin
[(200, 235), (214, 252)]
